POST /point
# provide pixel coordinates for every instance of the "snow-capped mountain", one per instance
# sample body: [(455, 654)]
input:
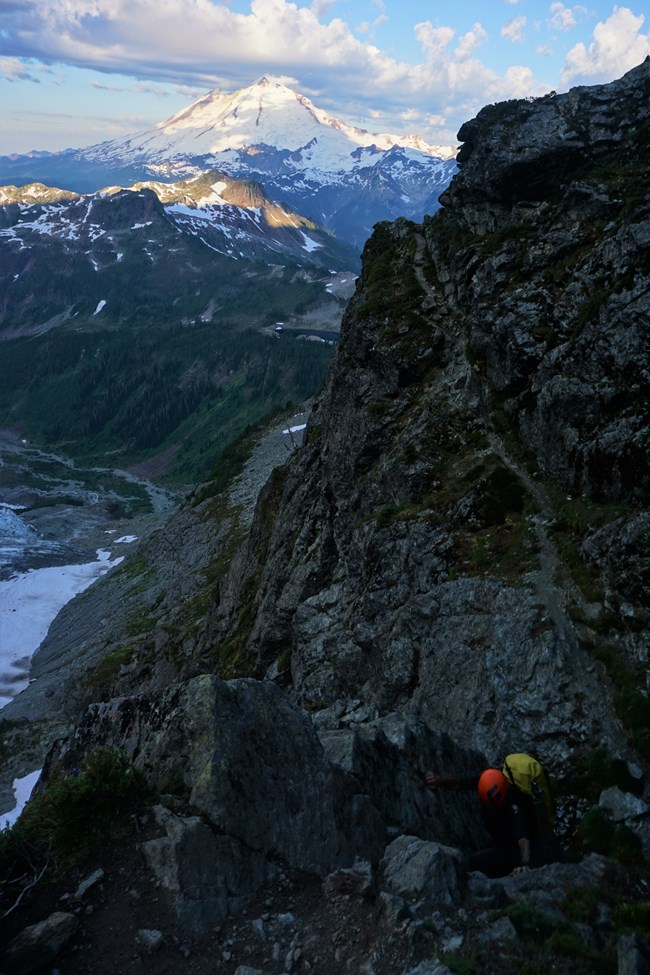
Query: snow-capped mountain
[(342, 177), (266, 114)]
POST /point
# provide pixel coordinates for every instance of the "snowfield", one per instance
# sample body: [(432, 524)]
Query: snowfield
[(28, 604)]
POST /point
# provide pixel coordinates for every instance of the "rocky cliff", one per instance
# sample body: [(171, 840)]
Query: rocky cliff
[(462, 535)]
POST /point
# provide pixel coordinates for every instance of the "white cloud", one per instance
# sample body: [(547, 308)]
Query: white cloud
[(320, 7), (565, 18), (13, 69), (520, 81), (470, 41), (618, 45), (434, 40), (513, 3), (545, 50), (514, 29)]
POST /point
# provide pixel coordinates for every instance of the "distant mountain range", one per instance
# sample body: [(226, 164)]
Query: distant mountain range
[(143, 320), (191, 248), (344, 178), (143, 283)]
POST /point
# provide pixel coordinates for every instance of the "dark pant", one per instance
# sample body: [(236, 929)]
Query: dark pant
[(497, 861)]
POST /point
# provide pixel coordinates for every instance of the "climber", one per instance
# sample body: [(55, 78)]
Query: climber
[(512, 820)]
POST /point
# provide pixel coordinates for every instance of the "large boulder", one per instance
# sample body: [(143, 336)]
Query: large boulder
[(419, 870), (247, 759), (39, 944)]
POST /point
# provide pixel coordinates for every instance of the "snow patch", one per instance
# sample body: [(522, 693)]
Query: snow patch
[(99, 306), (309, 245), (22, 792)]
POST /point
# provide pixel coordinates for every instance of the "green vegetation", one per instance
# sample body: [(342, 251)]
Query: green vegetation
[(100, 680), (600, 771), (124, 396), (390, 286), (575, 518), (596, 834), (76, 811), (459, 964), (29, 467), (548, 945)]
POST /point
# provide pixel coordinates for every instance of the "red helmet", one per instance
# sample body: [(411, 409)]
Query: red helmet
[(492, 787)]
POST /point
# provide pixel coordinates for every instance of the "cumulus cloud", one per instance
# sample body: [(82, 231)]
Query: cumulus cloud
[(320, 7), (618, 45), (514, 29), (470, 41), (564, 18)]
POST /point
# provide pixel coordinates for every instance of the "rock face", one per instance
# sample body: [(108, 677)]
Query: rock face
[(552, 272), (463, 528), (264, 789), (253, 765)]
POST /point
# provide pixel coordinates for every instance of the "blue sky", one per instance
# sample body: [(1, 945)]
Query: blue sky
[(76, 72)]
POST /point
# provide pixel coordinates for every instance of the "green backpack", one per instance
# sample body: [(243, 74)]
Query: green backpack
[(526, 773)]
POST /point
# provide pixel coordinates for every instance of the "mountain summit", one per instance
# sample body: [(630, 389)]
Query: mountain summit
[(267, 113), (342, 177)]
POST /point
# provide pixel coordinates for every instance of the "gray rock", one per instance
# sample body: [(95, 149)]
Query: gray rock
[(206, 875), (396, 910), (88, 883), (432, 967), (621, 806), (378, 561), (287, 920), (544, 888), (39, 944), (633, 955), (355, 881), (482, 892), (501, 931), (556, 878), (150, 940), (385, 757), (250, 760), (418, 869)]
